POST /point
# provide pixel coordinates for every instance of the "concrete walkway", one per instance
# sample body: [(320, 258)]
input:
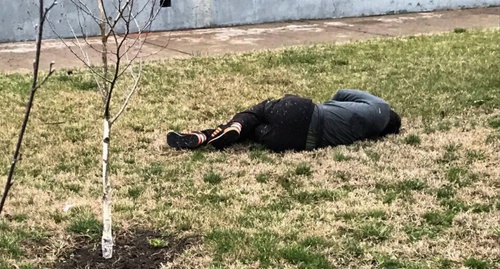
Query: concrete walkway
[(18, 57)]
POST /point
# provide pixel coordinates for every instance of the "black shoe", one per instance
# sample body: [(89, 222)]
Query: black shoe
[(222, 138), (185, 140)]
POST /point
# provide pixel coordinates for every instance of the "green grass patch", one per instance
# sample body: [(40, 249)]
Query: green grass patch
[(451, 154), (280, 204), (460, 176), (10, 244), (375, 231), (445, 192), (311, 197), (413, 139), (263, 247), (134, 192), (353, 248), (261, 155), (303, 169), (445, 264), (154, 171), (439, 218), (392, 263), (416, 233), (262, 177), (84, 222), (402, 189), (316, 242), (341, 157), (13, 241), (197, 156), (212, 177), (475, 263), (492, 139), (289, 183), (361, 216), (494, 122), (475, 155), (20, 217), (407, 185), (373, 155), (302, 257), (454, 205), (226, 240), (215, 198)]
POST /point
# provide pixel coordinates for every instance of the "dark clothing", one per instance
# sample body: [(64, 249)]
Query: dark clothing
[(315, 134), (280, 124), (296, 123), (353, 115)]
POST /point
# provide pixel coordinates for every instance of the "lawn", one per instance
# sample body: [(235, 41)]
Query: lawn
[(427, 198)]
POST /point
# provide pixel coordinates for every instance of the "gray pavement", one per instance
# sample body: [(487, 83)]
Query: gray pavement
[(18, 57)]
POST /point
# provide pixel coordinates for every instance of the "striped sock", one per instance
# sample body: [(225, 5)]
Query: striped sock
[(201, 138), (237, 126)]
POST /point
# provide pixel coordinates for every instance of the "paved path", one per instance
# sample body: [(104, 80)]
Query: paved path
[(18, 57)]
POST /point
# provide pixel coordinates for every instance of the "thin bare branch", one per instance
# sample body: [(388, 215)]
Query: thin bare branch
[(133, 89), (148, 24), (112, 25), (82, 7), (82, 59), (86, 60), (47, 10), (89, 66), (51, 71), (152, 16), (85, 9), (134, 57), (104, 57), (34, 86), (136, 78), (85, 55), (142, 38), (85, 36), (118, 61), (82, 29)]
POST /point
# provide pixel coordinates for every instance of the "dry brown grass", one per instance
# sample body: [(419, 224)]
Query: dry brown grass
[(371, 204)]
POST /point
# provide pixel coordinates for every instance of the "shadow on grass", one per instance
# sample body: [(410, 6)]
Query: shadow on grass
[(140, 249)]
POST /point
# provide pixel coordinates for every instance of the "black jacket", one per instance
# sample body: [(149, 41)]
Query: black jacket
[(280, 125)]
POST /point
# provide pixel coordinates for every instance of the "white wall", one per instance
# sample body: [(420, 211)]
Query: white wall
[(17, 16)]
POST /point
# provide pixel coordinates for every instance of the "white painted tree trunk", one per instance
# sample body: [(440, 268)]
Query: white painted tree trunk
[(107, 236)]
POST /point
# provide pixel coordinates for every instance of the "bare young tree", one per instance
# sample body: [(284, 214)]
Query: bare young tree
[(123, 26), (36, 84)]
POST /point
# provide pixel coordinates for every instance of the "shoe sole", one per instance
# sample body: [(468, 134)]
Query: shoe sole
[(225, 139), (180, 141)]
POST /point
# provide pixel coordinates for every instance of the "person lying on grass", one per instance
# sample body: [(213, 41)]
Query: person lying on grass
[(296, 123)]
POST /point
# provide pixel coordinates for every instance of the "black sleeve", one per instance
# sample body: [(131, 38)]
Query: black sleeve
[(250, 119)]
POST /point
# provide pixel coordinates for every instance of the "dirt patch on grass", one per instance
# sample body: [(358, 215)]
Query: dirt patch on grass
[(143, 249)]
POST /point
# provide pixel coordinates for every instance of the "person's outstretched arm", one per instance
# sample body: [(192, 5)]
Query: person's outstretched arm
[(250, 119), (347, 95)]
